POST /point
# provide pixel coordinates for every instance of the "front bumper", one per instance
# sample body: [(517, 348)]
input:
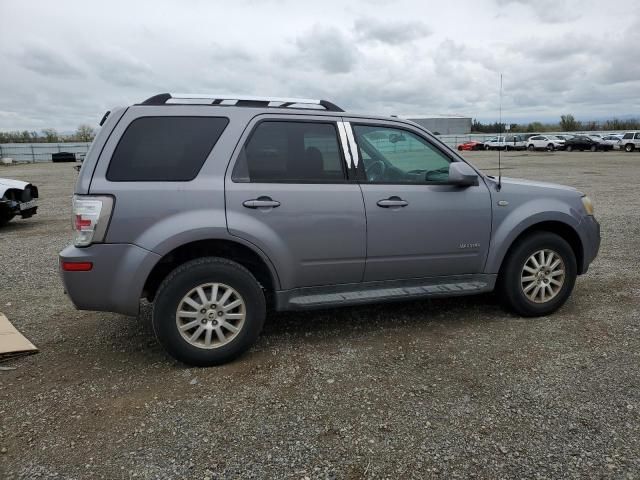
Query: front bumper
[(10, 208), (116, 280), (590, 230)]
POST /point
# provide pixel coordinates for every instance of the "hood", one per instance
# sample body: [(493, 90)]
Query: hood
[(6, 183), (518, 182), (532, 185)]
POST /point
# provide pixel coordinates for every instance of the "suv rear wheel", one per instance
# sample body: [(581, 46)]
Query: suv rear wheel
[(629, 147), (538, 275), (208, 311)]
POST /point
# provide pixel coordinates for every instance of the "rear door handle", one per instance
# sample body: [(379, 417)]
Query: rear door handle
[(261, 202), (392, 202)]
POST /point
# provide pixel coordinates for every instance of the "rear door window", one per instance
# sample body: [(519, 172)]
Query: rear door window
[(291, 152), (164, 149)]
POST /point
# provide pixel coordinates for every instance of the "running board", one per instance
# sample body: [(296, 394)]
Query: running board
[(374, 292)]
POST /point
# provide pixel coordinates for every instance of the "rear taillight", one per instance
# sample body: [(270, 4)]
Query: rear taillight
[(91, 216)]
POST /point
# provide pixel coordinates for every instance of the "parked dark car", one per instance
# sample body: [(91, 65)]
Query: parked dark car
[(63, 157), (582, 142)]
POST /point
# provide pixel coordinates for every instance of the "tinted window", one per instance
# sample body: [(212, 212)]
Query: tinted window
[(305, 152), (637, 135), (392, 155), (164, 148), (628, 135)]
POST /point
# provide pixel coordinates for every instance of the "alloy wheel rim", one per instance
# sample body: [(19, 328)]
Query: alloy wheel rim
[(210, 315), (542, 276)]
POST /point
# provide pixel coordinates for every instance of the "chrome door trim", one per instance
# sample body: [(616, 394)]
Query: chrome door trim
[(345, 143), (352, 144)]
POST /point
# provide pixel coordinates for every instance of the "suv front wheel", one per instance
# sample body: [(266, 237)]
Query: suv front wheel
[(208, 311), (538, 275)]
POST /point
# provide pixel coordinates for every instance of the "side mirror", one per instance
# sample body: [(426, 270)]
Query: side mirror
[(462, 174), (396, 137)]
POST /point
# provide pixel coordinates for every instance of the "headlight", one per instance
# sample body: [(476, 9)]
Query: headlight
[(588, 206)]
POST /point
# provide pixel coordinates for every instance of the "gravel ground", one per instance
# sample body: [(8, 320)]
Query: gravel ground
[(443, 388)]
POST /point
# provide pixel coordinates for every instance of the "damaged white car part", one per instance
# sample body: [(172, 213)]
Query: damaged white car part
[(17, 198)]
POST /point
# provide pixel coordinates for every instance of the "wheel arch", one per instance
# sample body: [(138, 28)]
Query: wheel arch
[(249, 257), (560, 228)]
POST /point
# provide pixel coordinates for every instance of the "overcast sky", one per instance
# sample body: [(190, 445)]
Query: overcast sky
[(65, 62)]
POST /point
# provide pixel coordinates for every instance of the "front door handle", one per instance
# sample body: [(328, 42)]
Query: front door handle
[(261, 202), (392, 202)]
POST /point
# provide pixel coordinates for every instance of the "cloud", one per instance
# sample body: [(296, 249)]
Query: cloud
[(391, 32), (548, 11), (558, 48), (323, 48), (118, 66), (46, 61), (388, 57)]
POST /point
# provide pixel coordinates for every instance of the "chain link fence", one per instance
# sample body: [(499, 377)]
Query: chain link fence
[(41, 152)]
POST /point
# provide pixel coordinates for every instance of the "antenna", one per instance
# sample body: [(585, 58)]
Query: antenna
[(499, 186)]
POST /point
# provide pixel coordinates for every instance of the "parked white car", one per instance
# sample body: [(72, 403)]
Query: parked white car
[(630, 141), (544, 142), (508, 142), (495, 143), (17, 198), (613, 140)]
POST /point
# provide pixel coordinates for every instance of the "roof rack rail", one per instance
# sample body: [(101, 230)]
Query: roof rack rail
[(239, 101)]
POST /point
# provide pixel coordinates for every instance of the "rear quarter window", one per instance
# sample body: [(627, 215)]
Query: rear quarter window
[(164, 149)]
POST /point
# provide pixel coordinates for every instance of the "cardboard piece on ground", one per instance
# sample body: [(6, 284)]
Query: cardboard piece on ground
[(12, 342)]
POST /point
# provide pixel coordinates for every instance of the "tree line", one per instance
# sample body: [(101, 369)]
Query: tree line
[(84, 133), (567, 123)]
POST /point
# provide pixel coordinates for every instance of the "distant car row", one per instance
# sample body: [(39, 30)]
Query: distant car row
[(628, 142)]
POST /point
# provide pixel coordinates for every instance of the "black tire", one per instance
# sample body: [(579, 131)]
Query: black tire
[(4, 219), (629, 147), (531, 148), (569, 148), (190, 275), (487, 147), (594, 148), (509, 287), (550, 147)]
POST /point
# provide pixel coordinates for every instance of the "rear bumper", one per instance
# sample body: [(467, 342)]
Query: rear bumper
[(116, 280)]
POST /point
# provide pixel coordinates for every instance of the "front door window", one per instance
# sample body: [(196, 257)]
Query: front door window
[(392, 155)]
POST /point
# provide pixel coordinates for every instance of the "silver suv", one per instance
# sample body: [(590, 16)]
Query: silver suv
[(216, 209), (630, 141)]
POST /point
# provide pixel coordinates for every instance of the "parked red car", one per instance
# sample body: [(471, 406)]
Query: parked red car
[(471, 145)]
